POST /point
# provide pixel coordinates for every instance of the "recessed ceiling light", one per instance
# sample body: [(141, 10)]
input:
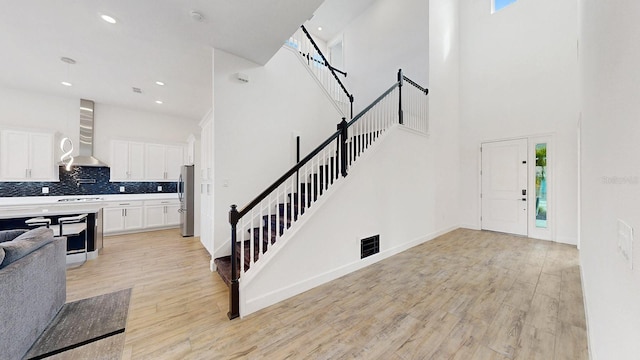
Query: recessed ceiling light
[(158, 102), (159, 83), (319, 28), (108, 19), (66, 83)]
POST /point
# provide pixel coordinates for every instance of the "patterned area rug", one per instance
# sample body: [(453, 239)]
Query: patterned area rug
[(91, 328)]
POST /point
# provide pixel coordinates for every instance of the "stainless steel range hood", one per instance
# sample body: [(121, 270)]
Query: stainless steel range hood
[(86, 140)]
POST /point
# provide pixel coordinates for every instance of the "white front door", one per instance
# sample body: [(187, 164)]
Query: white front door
[(504, 186)]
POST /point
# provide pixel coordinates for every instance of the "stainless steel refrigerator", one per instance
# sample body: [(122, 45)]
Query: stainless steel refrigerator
[(186, 195)]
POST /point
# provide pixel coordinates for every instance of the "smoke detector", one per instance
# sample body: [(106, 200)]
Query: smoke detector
[(67, 60), (196, 16)]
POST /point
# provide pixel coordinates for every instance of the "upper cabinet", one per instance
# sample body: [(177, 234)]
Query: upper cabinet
[(27, 156), (162, 162), (137, 161), (127, 161)]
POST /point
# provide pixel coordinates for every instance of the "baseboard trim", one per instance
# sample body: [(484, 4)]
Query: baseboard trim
[(567, 240), (586, 314), (470, 226)]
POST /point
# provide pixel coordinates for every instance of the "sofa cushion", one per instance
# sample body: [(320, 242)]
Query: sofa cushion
[(25, 244), (8, 235)]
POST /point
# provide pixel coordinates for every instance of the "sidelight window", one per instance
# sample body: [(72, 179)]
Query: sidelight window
[(541, 185)]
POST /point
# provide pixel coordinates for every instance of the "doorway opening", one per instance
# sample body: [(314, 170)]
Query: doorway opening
[(336, 54)]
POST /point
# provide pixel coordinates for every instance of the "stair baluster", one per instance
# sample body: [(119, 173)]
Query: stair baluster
[(255, 229)]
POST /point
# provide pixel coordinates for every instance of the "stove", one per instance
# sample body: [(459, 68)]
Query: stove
[(81, 199)]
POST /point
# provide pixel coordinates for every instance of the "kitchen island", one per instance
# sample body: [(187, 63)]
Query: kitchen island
[(108, 214), (15, 217)]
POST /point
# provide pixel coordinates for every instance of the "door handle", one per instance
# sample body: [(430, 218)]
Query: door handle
[(524, 199)]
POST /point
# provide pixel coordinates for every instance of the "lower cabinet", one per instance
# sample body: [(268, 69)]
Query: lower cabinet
[(132, 216), (123, 217), (161, 213)]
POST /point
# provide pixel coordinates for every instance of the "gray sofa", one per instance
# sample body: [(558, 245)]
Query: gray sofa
[(33, 286)]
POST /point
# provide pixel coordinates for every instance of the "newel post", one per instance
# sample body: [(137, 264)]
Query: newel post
[(343, 127), (351, 108), (234, 293), (400, 79)]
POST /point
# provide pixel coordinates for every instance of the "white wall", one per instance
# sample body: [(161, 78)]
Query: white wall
[(390, 191), (518, 71), (112, 122), (31, 111), (610, 77), (254, 127), (404, 189), (386, 37), (34, 111), (444, 108)]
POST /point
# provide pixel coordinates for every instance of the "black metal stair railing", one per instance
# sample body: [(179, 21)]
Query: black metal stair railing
[(257, 226), (327, 74)]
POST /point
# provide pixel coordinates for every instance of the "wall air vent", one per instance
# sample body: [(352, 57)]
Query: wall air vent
[(369, 246), (137, 90)]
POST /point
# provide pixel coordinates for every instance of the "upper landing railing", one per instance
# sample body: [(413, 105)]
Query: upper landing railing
[(326, 74)]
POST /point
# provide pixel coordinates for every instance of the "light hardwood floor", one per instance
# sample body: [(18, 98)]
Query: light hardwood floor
[(465, 295)]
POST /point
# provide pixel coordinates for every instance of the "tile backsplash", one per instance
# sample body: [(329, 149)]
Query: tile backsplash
[(83, 180)]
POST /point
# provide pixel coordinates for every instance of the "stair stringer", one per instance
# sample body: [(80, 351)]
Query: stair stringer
[(334, 102), (297, 264)]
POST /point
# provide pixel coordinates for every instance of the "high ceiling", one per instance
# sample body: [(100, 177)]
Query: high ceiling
[(153, 40), (333, 16)]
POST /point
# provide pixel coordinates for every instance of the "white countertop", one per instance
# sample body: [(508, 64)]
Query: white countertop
[(51, 200), (39, 210), (33, 206)]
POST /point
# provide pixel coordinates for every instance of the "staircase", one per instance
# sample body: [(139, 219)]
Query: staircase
[(267, 220), (273, 226)]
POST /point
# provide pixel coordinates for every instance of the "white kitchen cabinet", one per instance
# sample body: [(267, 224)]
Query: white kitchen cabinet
[(161, 213), (173, 161), (162, 162), (127, 161), (154, 216), (123, 217), (173, 214), (27, 156), (206, 150), (139, 161), (113, 220), (154, 168)]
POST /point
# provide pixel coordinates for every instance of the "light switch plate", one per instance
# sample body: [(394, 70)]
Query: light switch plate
[(45, 189), (159, 187), (625, 242), (121, 188)]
